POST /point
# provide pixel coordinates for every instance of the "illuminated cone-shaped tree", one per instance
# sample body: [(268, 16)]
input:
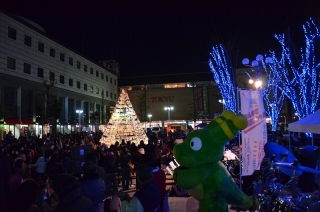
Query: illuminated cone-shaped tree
[(123, 124)]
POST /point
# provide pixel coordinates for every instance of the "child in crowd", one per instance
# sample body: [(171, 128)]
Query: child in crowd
[(41, 167), (43, 196)]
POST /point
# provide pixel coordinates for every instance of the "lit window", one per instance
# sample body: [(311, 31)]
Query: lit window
[(180, 85)]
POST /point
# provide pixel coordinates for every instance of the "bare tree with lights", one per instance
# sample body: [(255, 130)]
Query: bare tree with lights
[(224, 75), (301, 82), (272, 92)]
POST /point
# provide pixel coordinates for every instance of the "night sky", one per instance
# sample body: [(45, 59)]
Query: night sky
[(165, 37)]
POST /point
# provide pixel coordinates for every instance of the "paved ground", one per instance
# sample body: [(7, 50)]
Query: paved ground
[(176, 204), (189, 204)]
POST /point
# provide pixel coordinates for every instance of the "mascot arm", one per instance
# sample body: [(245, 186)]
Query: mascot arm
[(191, 177)]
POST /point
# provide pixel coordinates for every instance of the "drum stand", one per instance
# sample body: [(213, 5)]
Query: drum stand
[(254, 185), (270, 172), (294, 179), (317, 176)]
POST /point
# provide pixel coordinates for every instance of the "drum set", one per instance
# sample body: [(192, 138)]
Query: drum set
[(278, 178)]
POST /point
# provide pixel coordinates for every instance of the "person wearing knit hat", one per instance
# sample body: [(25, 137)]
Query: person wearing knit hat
[(91, 185)]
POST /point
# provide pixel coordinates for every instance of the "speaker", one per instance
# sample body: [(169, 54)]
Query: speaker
[(77, 155), (78, 152)]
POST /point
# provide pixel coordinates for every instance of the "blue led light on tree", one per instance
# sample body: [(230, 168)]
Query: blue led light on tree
[(221, 68), (301, 83)]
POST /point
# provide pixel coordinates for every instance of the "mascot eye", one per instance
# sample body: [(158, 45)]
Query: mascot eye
[(195, 144)]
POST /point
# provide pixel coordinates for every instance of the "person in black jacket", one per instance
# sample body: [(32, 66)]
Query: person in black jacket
[(125, 161), (71, 199), (110, 165)]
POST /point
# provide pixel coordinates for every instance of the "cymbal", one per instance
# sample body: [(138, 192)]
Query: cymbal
[(281, 153), (310, 151), (297, 167)]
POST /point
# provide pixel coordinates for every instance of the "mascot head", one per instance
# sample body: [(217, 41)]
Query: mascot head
[(207, 145)]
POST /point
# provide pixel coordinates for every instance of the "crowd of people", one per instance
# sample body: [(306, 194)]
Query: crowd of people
[(38, 174)]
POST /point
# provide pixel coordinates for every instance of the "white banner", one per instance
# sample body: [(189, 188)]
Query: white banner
[(254, 137)]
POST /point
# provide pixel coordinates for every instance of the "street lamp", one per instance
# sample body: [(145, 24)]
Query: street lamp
[(256, 67), (168, 109), (79, 113), (149, 116), (223, 104), (285, 119)]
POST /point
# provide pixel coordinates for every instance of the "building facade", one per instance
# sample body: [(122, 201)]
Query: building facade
[(194, 99), (35, 71)]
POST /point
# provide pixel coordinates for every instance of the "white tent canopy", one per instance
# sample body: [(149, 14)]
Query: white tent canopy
[(310, 124)]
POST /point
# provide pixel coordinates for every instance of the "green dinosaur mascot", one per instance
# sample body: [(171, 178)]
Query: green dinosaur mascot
[(201, 172)]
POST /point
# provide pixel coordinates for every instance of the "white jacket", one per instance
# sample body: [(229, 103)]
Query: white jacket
[(41, 165)]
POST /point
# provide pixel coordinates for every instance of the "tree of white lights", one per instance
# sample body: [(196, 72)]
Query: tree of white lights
[(123, 124), (301, 83), (220, 65)]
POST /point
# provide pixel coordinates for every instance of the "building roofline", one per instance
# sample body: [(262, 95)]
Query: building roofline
[(165, 79), (23, 21)]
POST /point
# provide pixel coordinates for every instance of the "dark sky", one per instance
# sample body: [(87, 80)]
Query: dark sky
[(163, 37)]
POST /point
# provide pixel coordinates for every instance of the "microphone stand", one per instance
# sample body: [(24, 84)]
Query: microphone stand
[(270, 171), (293, 179), (317, 176)]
